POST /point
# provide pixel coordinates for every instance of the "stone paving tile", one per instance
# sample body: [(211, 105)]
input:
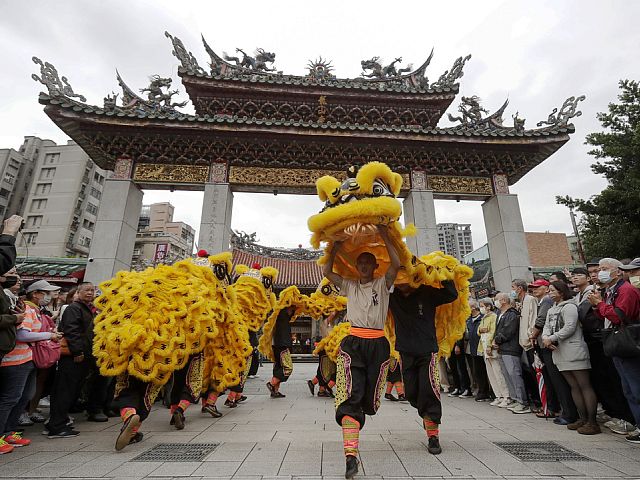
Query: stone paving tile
[(300, 468), (175, 469), (259, 468), (49, 470), (382, 463), (217, 469), (133, 469)]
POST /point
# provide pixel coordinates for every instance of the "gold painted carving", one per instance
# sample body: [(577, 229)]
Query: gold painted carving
[(285, 177), (152, 172), (322, 109), (464, 185)]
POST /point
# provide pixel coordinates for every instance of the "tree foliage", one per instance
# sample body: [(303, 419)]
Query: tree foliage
[(610, 225)]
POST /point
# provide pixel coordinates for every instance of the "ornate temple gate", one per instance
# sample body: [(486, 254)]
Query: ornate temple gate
[(258, 130)]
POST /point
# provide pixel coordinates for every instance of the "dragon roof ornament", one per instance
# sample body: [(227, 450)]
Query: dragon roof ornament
[(56, 85), (247, 243), (158, 100), (566, 113), (449, 77), (188, 61), (472, 113)]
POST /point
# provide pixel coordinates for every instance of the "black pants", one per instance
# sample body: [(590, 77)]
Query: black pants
[(361, 373), (69, 379), (283, 365), (421, 384), (187, 382), (560, 387), (133, 393), (394, 373), (459, 371), (606, 383), (479, 372), (529, 378), (255, 362), (326, 371)]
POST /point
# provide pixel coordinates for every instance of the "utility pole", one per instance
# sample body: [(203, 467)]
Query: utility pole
[(575, 232)]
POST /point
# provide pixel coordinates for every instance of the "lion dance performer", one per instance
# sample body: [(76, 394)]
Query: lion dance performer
[(275, 343), (155, 323), (364, 252)]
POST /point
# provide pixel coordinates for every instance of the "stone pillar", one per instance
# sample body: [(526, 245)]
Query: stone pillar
[(114, 236), (215, 225), (419, 209), (506, 240)]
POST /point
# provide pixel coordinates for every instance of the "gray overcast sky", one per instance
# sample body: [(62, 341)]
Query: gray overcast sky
[(535, 53)]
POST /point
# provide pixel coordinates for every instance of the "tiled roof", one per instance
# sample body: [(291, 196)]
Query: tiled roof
[(51, 268), (303, 273), (460, 130)]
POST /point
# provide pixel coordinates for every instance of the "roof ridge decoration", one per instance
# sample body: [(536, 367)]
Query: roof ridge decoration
[(187, 59), (158, 101), (567, 112), (472, 114), (57, 86), (248, 243)]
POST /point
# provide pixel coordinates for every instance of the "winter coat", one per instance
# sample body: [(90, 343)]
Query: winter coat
[(563, 329)]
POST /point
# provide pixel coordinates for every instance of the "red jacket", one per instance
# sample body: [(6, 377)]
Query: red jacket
[(626, 298)]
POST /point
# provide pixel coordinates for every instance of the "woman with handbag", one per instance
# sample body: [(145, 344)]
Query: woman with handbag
[(18, 369), (563, 335)]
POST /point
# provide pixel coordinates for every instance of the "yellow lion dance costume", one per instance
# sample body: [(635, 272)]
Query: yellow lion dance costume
[(351, 211)]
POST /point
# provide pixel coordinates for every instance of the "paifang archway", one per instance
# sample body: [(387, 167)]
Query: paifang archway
[(256, 129)]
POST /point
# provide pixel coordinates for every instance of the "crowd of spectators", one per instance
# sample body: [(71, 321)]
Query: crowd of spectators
[(564, 348)]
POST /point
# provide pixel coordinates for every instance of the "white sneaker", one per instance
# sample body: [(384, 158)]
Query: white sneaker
[(513, 406), (496, 402), (24, 420), (44, 402), (506, 402)]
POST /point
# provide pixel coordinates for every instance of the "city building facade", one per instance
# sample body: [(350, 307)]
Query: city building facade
[(455, 239)]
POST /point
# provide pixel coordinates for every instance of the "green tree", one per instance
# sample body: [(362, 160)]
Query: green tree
[(610, 225)]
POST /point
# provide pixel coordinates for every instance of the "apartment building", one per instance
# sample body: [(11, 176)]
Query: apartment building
[(455, 239)]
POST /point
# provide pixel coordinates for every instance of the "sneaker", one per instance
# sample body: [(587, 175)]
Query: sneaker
[(389, 396), (271, 388), (64, 434), (352, 467), (496, 402), (402, 398), (44, 402), (97, 417), (5, 447), (513, 405), (312, 387), (621, 427), (589, 429), (127, 432), (24, 420), (434, 446), (137, 438), (323, 393), (482, 399), (561, 421), (506, 402), (277, 395), (466, 394), (444, 389), (520, 409), (604, 418), (576, 425), (330, 392), (242, 398), (37, 418), (230, 403), (455, 393), (211, 410), (634, 438), (15, 439), (177, 419)]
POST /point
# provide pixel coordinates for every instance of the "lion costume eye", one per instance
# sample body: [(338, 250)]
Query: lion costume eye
[(220, 270), (267, 282), (379, 189)]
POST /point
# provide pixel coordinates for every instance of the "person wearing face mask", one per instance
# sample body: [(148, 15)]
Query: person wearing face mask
[(621, 306), (487, 330), (631, 272), (475, 356), (17, 370)]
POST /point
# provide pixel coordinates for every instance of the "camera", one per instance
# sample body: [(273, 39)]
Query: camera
[(90, 259)]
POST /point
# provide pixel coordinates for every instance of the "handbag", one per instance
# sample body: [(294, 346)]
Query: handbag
[(45, 353), (622, 341)]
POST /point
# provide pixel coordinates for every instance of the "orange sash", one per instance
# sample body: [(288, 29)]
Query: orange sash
[(366, 332)]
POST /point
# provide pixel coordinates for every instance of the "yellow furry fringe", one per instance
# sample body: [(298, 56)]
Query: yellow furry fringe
[(152, 321), (288, 297)]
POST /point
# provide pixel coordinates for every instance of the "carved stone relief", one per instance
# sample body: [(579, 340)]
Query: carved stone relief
[(456, 184)]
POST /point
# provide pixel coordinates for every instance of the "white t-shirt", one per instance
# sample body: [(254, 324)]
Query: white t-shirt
[(367, 303)]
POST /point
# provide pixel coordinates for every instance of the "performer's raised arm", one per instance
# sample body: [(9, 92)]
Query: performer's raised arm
[(392, 271), (328, 267)]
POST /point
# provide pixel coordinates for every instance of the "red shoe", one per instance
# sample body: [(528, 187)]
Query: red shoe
[(5, 447), (15, 439)]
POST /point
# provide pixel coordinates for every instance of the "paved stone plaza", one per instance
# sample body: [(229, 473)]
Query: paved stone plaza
[(297, 437)]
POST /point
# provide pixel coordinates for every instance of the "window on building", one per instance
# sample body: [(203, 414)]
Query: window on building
[(34, 220), (95, 193), (39, 204), (85, 241), (88, 224), (9, 178), (4, 193), (43, 188), (92, 209), (98, 178), (51, 158), (47, 173), (30, 238)]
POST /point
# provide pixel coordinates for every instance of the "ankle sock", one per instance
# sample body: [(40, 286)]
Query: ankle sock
[(389, 388), (399, 388), (314, 380), (432, 428)]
